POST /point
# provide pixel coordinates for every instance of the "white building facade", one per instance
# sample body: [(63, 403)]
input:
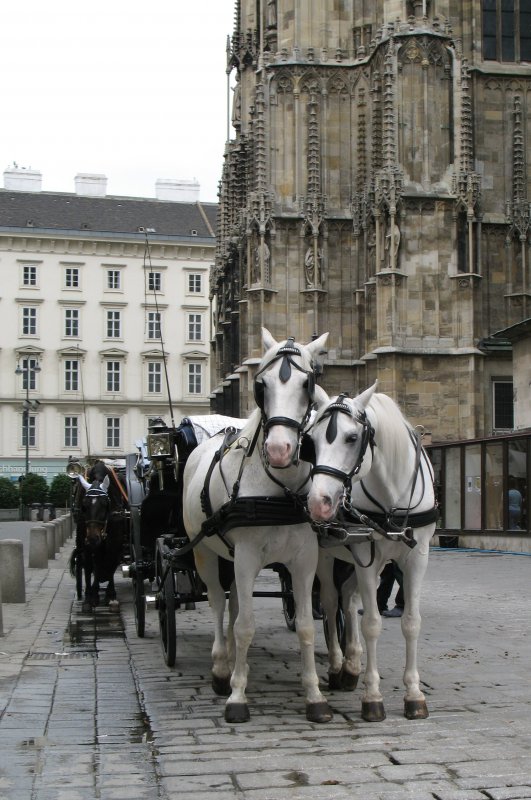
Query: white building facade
[(104, 319)]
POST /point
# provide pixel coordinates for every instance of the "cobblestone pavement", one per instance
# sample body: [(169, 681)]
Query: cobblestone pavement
[(90, 712)]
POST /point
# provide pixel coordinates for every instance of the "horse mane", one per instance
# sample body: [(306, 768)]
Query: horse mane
[(391, 429), (249, 429)]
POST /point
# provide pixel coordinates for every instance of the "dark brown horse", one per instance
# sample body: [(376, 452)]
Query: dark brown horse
[(100, 510)]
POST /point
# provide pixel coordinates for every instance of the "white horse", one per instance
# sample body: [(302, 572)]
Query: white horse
[(370, 468), (258, 475)]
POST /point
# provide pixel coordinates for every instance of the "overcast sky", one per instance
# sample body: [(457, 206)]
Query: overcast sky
[(132, 90)]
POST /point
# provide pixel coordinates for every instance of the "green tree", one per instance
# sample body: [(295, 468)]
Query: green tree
[(61, 491), (33, 489), (9, 496)]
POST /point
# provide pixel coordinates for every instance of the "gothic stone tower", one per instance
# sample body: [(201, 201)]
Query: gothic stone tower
[(378, 187)]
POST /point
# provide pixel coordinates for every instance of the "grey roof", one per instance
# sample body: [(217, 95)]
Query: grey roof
[(63, 211)]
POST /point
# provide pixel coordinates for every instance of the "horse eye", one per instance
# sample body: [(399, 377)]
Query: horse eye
[(352, 438)]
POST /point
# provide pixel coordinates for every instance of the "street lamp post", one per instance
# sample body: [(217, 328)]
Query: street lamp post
[(28, 371)]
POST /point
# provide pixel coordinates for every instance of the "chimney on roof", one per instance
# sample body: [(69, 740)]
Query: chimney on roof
[(91, 185), (21, 179), (177, 191)]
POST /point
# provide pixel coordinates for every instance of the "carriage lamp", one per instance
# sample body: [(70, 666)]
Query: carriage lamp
[(159, 445)]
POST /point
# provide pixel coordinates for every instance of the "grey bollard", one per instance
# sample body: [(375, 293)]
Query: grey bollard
[(57, 528), (12, 571), (38, 548), (1, 620), (68, 526), (50, 538)]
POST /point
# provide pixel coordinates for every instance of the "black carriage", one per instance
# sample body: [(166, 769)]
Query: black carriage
[(161, 564)]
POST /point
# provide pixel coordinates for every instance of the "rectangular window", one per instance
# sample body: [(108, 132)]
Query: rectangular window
[(195, 379), (72, 278), (113, 279), (503, 405), (71, 375), (194, 283), (29, 321), (525, 30), (113, 376), (71, 322), (506, 30), (29, 367), (154, 281), (71, 438), (30, 429), (195, 328), (154, 377), (114, 325), (153, 322), (113, 432), (29, 275)]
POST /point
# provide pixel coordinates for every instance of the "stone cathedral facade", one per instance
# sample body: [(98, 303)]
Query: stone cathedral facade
[(378, 186)]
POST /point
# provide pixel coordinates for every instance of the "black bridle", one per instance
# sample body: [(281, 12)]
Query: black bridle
[(286, 353), (367, 439), (96, 513)]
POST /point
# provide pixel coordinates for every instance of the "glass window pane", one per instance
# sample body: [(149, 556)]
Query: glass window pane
[(517, 485), (503, 405), (452, 488), (473, 487), (494, 486)]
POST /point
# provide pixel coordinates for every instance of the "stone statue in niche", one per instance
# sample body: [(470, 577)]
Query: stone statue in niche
[(261, 257), (237, 105), (313, 271), (371, 253), (392, 244)]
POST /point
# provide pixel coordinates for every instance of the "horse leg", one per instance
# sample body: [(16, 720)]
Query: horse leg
[(87, 600), (353, 650), (206, 562), (372, 707), (328, 595), (110, 596), (247, 564), (317, 708), (414, 569), (233, 613)]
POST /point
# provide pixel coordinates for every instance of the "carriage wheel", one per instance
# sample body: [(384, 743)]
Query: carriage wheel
[(139, 601), (168, 633), (137, 573), (288, 603), (340, 627)]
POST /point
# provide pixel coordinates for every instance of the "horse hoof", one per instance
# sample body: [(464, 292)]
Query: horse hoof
[(319, 712), (221, 686), (334, 681), (415, 709), (237, 712), (349, 681), (373, 711), (114, 606)]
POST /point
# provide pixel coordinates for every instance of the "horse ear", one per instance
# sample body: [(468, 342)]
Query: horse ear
[(364, 398), (105, 483), (267, 340), (317, 346), (320, 397)]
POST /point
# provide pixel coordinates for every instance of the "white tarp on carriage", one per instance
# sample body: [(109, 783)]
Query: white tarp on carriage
[(208, 425)]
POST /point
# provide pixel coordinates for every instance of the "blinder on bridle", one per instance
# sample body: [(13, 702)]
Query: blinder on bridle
[(102, 508), (367, 439), (286, 353)]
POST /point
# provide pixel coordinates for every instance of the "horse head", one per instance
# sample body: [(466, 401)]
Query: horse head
[(284, 390), (343, 441), (96, 505)]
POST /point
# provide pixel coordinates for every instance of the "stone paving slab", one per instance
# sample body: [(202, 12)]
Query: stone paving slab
[(88, 711)]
